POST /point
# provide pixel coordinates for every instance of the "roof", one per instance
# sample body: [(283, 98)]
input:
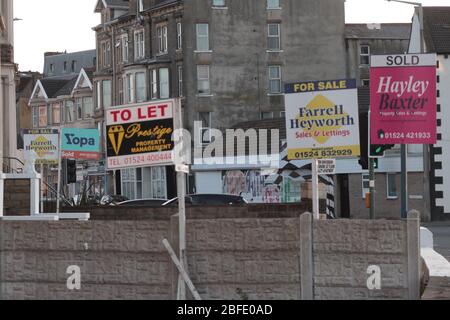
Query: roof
[(57, 86), (113, 4), (437, 29), (399, 31), (83, 59)]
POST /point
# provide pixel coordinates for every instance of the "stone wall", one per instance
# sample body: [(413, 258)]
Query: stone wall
[(233, 253)]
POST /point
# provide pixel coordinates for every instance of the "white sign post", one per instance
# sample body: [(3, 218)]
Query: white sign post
[(322, 122)]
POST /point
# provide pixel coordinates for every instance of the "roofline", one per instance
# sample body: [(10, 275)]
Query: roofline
[(82, 73), (36, 86)]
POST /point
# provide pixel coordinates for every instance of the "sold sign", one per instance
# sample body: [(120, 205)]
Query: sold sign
[(403, 99)]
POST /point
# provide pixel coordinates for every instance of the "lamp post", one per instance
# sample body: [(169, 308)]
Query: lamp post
[(426, 151)]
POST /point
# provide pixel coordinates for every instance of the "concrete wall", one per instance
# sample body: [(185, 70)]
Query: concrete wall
[(385, 208), (232, 254)]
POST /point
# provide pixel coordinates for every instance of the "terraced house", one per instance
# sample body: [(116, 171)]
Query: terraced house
[(226, 59), (64, 98)]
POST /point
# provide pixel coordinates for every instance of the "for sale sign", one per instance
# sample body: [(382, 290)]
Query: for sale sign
[(140, 135), (403, 99), (322, 119), (44, 144)]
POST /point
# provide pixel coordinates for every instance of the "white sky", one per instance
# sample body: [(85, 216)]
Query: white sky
[(58, 25)]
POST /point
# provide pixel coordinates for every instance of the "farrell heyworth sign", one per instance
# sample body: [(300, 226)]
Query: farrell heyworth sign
[(322, 119), (403, 99), (44, 143), (140, 135)]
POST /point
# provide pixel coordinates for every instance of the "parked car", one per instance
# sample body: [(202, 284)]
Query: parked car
[(208, 200), (112, 200), (152, 203)]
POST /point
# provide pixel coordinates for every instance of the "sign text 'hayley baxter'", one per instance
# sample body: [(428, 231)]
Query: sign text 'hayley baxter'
[(403, 99)]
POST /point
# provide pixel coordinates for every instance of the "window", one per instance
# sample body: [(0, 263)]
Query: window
[(88, 108), (99, 94), (74, 66), (65, 66), (179, 36), (106, 53), (365, 82), (141, 5), (274, 79), (203, 85), (202, 37), (392, 186), (141, 89), (107, 94), (273, 4), (129, 88), (70, 111), (218, 3), (162, 39), (139, 45), (52, 68), (365, 55), (132, 183), (43, 116), (266, 115), (56, 113), (154, 84), (124, 48), (35, 117), (365, 185), (180, 81), (49, 115), (79, 105), (121, 91), (158, 183), (205, 129), (273, 37), (164, 83)]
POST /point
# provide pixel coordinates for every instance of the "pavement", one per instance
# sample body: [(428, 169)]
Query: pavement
[(441, 233)]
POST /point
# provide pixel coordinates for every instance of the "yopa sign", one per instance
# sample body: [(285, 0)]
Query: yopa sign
[(140, 135), (403, 99), (80, 144), (322, 119), (44, 144)]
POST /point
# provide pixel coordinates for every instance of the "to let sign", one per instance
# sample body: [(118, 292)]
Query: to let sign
[(403, 99), (140, 135)]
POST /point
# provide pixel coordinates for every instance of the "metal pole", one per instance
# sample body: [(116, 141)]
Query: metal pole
[(404, 182), (58, 191), (42, 188), (315, 191), (372, 187)]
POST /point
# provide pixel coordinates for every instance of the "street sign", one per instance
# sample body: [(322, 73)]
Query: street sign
[(322, 120), (44, 142), (403, 99), (326, 166), (80, 144), (140, 135)]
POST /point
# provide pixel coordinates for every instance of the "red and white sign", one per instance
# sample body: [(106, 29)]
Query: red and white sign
[(140, 135), (403, 99)]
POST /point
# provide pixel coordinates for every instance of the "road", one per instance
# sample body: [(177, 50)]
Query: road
[(441, 232)]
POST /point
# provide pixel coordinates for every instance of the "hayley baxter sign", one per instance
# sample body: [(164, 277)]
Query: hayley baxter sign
[(140, 135), (322, 119), (403, 99)]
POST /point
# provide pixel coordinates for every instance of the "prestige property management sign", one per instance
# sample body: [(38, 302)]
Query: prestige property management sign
[(322, 120), (140, 135)]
